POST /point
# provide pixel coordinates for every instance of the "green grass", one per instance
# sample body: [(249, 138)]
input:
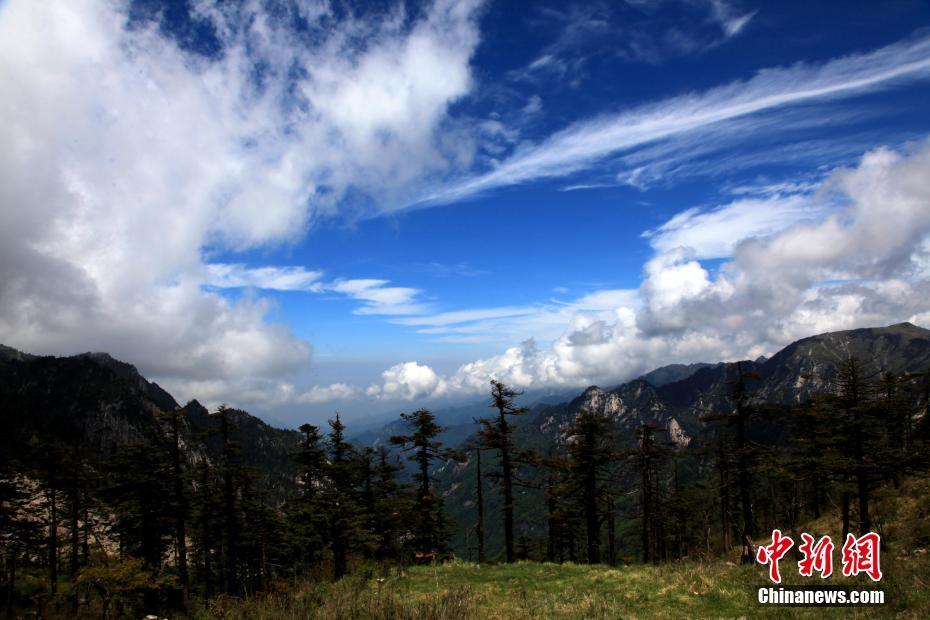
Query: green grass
[(535, 591)]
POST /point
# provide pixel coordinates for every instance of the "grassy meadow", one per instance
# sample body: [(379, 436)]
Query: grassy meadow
[(541, 591), (537, 591)]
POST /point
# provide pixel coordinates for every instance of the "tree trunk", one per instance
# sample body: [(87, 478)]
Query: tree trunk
[(11, 583), (479, 527), (591, 517), (180, 509), (647, 506), (75, 532), (507, 483), (552, 521), (845, 513), (865, 522), (53, 543), (611, 533)]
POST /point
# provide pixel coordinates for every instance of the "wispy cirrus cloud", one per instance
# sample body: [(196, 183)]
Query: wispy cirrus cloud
[(714, 233), (465, 316), (732, 21), (238, 275), (377, 296), (543, 321), (587, 142)]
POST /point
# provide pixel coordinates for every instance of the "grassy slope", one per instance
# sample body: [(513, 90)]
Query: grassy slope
[(529, 590), (535, 591)]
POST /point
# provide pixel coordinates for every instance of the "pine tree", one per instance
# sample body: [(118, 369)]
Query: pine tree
[(497, 434), (305, 512), (340, 497), (424, 449), (590, 453), (479, 503), (648, 458), (856, 433), (742, 410), (555, 468), (139, 491), (229, 469), (207, 517), (390, 505), (180, 503)]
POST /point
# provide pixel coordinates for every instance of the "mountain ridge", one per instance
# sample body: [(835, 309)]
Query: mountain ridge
[(797, 372), (108, 403)]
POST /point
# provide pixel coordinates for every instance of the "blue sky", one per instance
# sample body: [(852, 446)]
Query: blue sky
[(303, 207)]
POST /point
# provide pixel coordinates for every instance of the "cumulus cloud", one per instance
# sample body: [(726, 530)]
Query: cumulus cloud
[(862, 262), (408, 381), (129, 162)]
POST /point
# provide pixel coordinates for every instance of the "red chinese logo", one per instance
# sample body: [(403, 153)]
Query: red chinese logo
[(861, 555), (771, 554), (817, 557)]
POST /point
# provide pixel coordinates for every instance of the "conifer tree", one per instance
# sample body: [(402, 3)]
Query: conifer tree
[(139, 491), (648, 458), (555, 468), (340, 496), (306, 516), (390, 505), (479, 503), (855, 435), (180, 503), (497, 434), (207, 511), (229, 471), (424, 449), (742, 410), (590, 454)]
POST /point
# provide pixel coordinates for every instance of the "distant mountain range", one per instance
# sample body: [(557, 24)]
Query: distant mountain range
[(675, 398), (105, 403)]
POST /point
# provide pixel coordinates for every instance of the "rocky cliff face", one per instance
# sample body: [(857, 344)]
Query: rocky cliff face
[(796, 373)]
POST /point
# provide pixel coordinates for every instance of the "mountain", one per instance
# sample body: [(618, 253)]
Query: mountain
[(104, 403), (672, 373), (792, 376)]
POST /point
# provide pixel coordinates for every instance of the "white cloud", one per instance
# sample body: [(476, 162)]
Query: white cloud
[(862, 263), (544, 321), (587, 142), (408, 381), (714, 233), (375, 294), (223, 275), (466, 316), (128, 164), (324, 394), (379, 298), (731, 21)]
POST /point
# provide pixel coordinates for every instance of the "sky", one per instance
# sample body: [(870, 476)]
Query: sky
[(303, 207)]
